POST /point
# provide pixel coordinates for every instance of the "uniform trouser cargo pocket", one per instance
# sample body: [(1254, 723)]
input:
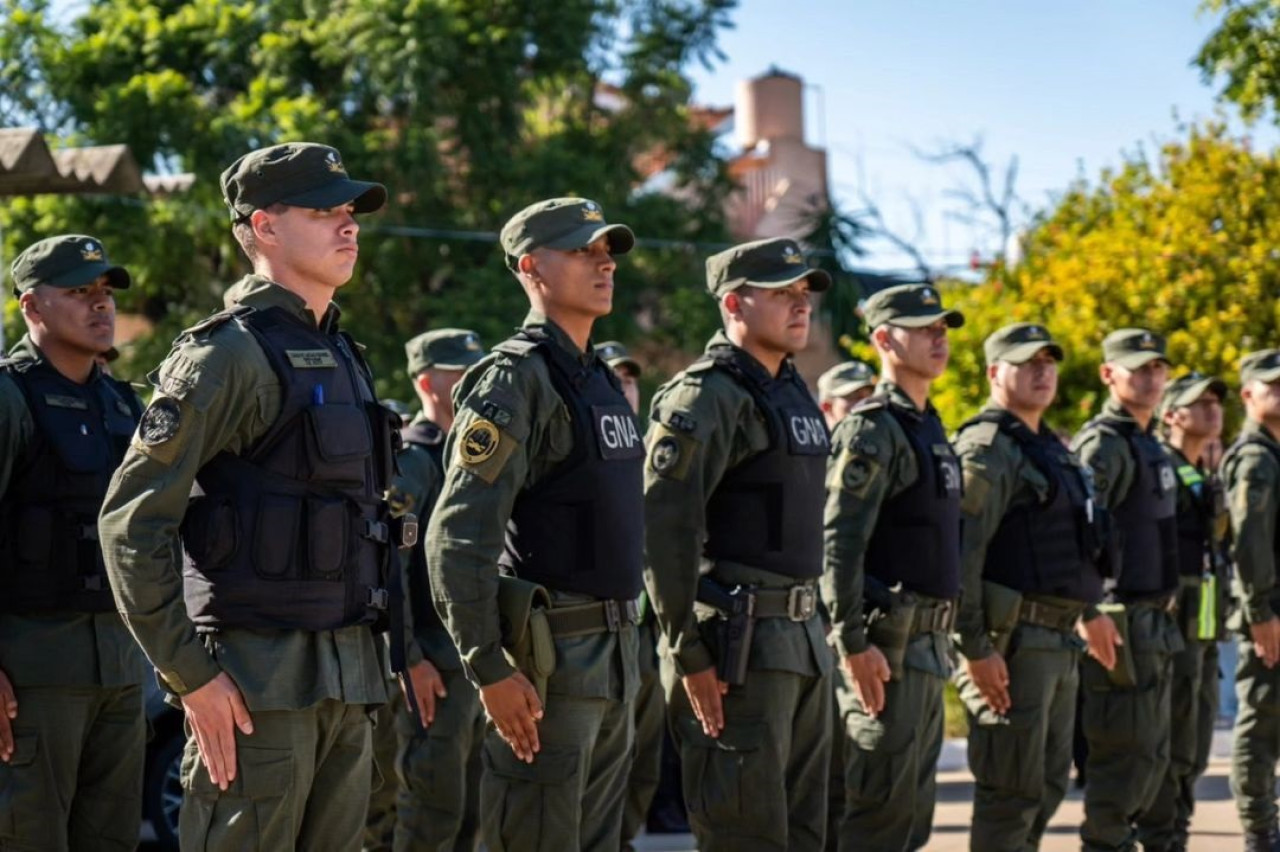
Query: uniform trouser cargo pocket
[(529, 806), (1006, 753), (875, 766), (253, 812), (722, 776)]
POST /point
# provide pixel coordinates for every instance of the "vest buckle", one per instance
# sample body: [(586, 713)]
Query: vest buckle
[(612, 616), (802, 602), (378, 599), (375, 531)]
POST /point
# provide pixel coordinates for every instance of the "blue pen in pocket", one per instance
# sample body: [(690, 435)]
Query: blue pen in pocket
[(317, 395)]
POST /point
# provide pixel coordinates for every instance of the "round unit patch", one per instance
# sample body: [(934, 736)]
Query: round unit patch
[(160, 421), (666, 455), (479, 442)]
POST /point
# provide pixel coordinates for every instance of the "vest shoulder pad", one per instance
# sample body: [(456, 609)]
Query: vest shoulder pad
[(875, 402), (215, 321), (982, 433), (517, 347)]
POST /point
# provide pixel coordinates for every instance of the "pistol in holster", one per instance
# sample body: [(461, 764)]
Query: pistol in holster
[(889, 614), (527, 640), (735, 627), (1001, 608)]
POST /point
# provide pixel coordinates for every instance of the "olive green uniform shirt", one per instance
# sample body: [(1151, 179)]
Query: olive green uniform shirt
[(468, 526), (714, 424), (1108, 457), (228, 396), (1251, 475), (998, 478), (56, 649)]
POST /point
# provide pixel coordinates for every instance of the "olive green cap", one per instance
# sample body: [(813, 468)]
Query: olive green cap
[(1019, 343), (1262, 366), (770, 264), (562, 224), (443, 349), (299, 174), (616, 355), (67, 261), (844, 379), (1185, 390), (909, 306), (1131, 348)]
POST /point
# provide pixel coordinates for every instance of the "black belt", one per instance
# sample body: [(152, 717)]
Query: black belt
[(933, 617), (1052, 616), (1167, 601), (597, 617), (798, 603)]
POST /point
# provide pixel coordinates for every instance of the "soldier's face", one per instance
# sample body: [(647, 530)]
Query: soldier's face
[(630, 387), (1262, 399), (1200, 419), (923, 351), (317, 246), (777, 319), (1140, 387), (1029, 386), (82, 319), (578, 281), (835, 408)]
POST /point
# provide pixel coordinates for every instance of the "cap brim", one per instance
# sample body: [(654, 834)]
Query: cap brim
[(367, 197), (87, 273), (1135, 360), (625, 361), (1193, 392), (621, 239), (846, 388), (954, 319), (1264, 376), (1024, 352), (819, 279)]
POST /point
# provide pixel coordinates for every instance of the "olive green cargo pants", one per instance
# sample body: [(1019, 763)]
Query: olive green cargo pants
[(74, 780), (890, 764), (437, 803), (646, 755), (1257, 740), (302, 782), (1194, 709), (380, 822), (1127, 728), (1021, 761)]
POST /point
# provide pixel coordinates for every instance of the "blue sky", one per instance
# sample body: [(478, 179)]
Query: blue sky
[(1066, 86)]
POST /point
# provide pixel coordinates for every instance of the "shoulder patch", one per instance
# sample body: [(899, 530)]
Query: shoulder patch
[(854, 472), (162, 422), (682, 422), (670, 452), (976, 489), (483, 449)]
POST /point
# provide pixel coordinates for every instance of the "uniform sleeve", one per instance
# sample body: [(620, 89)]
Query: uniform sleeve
[(694, 437), (989, 481), (16, 429), (413, 491), (862, 472), (209, 399), (501, 425), (1107, 457), (1251, 481)]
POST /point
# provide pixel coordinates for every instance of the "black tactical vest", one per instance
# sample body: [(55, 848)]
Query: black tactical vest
[(917, 536), (767, 512), (1049, 547), (1200, 502), (294, 533), (580, 528), (50, 559), (1145, 524), (430, 438)]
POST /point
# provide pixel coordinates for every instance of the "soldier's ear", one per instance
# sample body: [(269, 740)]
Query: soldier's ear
[(1106, 372), (29, 304), (732, 302), (422, 381), (993, 370), (880, 337), (263, 228)]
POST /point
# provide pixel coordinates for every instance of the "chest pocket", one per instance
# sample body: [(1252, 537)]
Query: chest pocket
[(806, 434), (617, 433)]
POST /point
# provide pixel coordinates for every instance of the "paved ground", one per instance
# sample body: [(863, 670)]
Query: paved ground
[(1215, 828)]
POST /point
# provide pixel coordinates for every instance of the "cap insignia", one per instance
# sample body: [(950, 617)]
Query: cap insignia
[(91, 252), (1147, 341), (792, 255), (591, 212), (334, 164), (928, 297)]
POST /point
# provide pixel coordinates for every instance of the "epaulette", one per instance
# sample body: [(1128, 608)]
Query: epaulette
[(982, 433), (517, 347), (214, 321), (875, 402)]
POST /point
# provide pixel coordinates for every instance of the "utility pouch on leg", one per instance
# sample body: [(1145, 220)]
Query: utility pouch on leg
[(526, 635), (1123, 675), (1001, 607)]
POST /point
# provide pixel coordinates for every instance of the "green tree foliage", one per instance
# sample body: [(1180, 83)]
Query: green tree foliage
[(1184, 243), (467, 111), (1241, 53)]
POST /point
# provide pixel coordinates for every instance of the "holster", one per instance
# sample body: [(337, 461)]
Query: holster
[(526, 636), (889, 617), (735, 627), (1001, 607), (1123, 675)]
